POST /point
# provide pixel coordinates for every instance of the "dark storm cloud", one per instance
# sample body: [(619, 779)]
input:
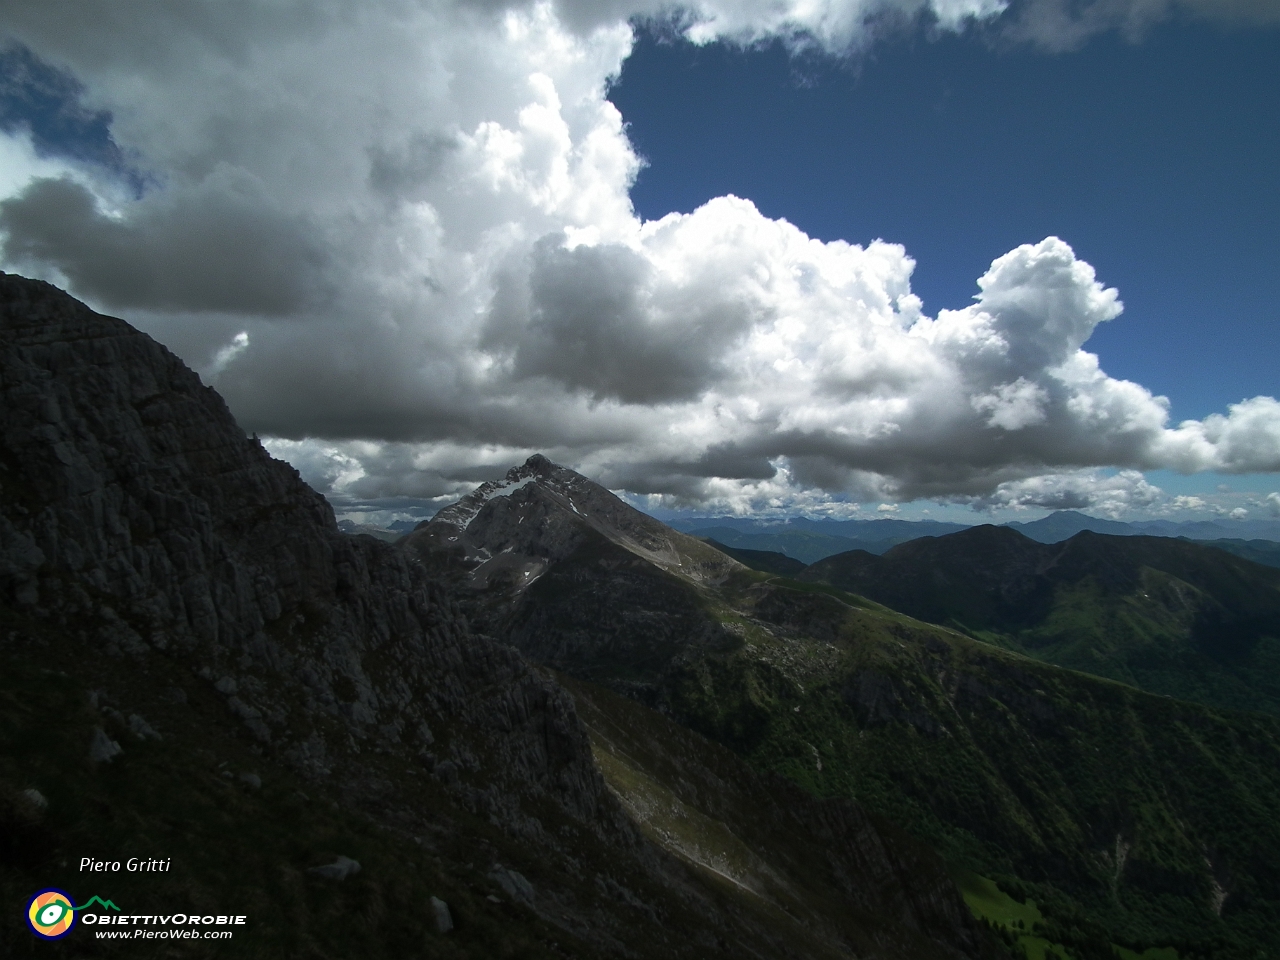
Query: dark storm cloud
[(731, 460), (598, 322), (215, 250), (406, 172)]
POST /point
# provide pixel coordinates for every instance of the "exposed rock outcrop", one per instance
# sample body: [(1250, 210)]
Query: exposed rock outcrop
[(509, 532), (138, 515), (572, 576), (141, 533)]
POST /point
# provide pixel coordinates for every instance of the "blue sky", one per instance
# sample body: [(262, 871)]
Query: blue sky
[(1156, 160), (731, 269)]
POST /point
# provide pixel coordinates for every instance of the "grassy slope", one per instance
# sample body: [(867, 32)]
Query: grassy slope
[(756, 836), (1100, 800), (1022, 926), (1169, 616)]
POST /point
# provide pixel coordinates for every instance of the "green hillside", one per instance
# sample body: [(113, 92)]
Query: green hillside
[(1265, 552), (767, 561), (1169, 616), (1129, 818), (1157, 820)]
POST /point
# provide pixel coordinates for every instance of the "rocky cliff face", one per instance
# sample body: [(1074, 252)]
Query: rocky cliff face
[(139, 518), (167, 585)]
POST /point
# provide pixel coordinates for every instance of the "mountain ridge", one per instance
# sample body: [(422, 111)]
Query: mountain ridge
[(812, 540), (196, 659), (500, 547), (1150, 611)]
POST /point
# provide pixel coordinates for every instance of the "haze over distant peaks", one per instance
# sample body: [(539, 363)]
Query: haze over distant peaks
[(810, 540), (1067, 523)]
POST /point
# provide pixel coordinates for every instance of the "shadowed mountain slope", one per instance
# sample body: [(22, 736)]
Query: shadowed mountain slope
[(196, 664), (762, 833), (1170, 616), (1265, 552), (1129, 818), (766, 561)]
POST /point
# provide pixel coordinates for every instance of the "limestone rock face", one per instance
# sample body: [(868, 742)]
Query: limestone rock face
[(136, 512), (440, 912)]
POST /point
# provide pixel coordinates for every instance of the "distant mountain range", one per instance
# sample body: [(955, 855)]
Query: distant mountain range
[(812, 540), (870, 530), (1067, 523), (809, 541)]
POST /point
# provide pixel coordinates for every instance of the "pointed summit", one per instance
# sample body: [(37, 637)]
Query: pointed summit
[(538, 463), (508, 532), (564, 571)]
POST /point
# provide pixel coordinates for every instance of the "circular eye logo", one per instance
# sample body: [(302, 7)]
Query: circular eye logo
[(50, 914)]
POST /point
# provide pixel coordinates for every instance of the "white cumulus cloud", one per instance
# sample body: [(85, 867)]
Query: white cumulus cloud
[(418, 215), (1114, 494)]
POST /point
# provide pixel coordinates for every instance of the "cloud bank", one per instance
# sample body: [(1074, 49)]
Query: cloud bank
[(397, 237), (1059, 25)]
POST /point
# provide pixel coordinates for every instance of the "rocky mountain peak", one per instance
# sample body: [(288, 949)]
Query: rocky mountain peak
[(509, 532), (537, 469), (538, 462)]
